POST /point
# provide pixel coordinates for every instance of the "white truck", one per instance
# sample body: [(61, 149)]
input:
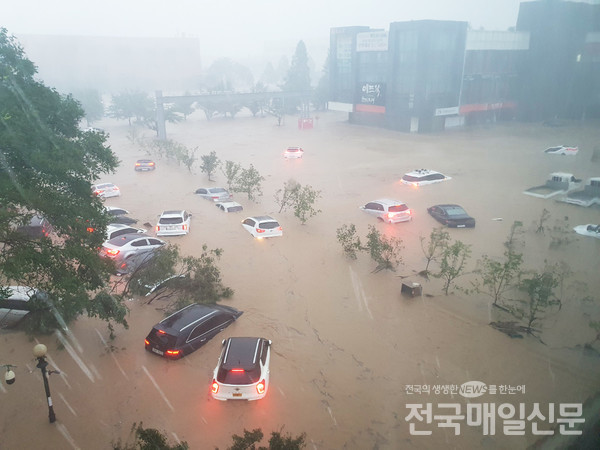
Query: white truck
[(589, 196), (558, 183)]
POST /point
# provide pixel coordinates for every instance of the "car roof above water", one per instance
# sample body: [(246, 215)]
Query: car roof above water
[(191, 314)]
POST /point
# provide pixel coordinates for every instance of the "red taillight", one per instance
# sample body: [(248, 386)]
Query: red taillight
[(173, 352), (112, 252), (146, 341), (215, 198), (390, 215), (280, 229), (260, 230), (157, 228), (137, 164), (161, 332), (184, 227), (260, 387), (215, 387), (98, 192), (237, 370)]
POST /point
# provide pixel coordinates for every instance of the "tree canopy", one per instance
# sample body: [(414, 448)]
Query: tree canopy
[(47, 165)]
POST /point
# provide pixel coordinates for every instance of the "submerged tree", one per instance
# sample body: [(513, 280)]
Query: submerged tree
[(452, 263), (539, 288), (231, 170), (346, 236), (432, 249), (47, 165), (384, 250), (210, 163), (249, 181)]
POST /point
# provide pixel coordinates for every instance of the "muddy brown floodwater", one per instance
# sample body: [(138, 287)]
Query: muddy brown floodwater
[(345, 342)]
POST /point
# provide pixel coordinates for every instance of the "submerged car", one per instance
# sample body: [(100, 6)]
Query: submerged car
[(173, 223), (37, 228), (114, 230), (15, 305), (390, 211), (262, 227), (216, 194), (293, 152), (229, 206), (119, 215), (453, 216), (106, 190), (561, 150), (189, 329), (126, 250), (242, 372), (421, 177), (144, 165), (590, 229)]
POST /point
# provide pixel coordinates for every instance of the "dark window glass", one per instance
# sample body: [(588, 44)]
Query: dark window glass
[(269, 225), (139, 243), (154, 242), (398, 208), (249, 222)]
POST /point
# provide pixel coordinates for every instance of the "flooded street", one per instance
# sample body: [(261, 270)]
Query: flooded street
[(345, 342)]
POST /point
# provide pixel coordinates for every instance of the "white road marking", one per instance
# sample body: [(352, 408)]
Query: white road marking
[(112, 355), (75, 356), (204, 420), (67, 436), (331, 414), (359, 292), (176, 437), (159, 389), (68, 406), (280, 390)]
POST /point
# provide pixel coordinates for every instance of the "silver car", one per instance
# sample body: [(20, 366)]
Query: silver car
[(216, 194), (130, 250)]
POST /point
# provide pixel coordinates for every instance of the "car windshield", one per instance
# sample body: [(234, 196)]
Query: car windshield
[(411, 178), (398, 208), (455, 211), (162, 338), (216, 190), (170, 220), (238, 376), (268, 225)]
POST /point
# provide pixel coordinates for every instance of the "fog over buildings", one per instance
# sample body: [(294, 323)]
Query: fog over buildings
[(155, 45)]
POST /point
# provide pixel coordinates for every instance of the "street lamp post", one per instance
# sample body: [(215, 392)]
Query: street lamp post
[(39, 351)]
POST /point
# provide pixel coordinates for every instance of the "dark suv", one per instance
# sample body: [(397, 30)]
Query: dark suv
[(37, 228), (189, 329)]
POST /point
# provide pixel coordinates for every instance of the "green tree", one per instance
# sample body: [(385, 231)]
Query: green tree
[(298, 76), (210, 163), (47, 165), (539, 288), (453, 262), (132, 105), (286, 197), (497, 277), (432, 249), (183, 280), (148, 439), (321, 94), (304, 203), (231, 170), (384, 250), (249, 181), (91, 102), (346, 236), (183, 106), (277, 441)]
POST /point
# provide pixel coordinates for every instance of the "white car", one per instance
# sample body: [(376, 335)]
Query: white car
[(229, 206), (106, 190), (126, 245), (216, 194), (173, 223), (562, 150), (390, 211), (588, 230), (262, 227), (114, 230), (242, 372), (293, 152), (15, 306), (421, 177)]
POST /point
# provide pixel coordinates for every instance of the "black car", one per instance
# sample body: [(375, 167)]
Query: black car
[(189, 329), (451, 215), (37, 228)]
